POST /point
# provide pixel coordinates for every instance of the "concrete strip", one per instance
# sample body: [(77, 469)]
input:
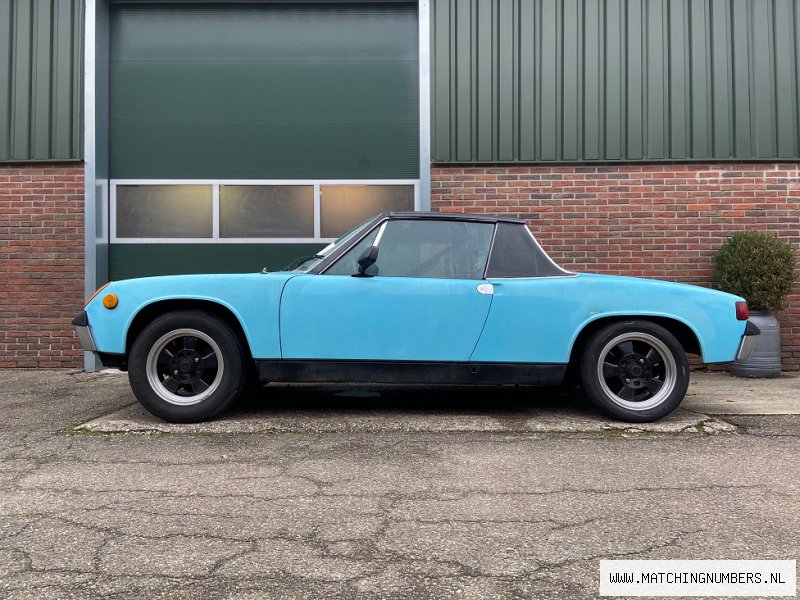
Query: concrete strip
[(724, 394), (394, 408)]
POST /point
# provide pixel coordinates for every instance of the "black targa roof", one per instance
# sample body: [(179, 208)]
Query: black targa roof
[(452, 217), (514, 252)]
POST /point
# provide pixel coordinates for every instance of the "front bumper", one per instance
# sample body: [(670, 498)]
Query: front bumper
[(84, 332), (748, 341)]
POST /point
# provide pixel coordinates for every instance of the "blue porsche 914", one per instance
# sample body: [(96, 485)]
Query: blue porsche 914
[(415, 298)]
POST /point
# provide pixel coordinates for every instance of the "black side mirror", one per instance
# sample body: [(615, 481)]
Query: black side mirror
[(366, 260)]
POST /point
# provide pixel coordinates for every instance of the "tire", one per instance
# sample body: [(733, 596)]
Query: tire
[(635, 371), (187, 366)]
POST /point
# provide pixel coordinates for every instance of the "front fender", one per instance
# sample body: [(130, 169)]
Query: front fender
[(253, 299)]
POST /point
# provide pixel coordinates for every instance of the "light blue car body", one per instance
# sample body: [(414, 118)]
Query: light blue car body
[(291, 315)]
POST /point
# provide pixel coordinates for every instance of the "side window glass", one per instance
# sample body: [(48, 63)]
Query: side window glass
[(432, 249)]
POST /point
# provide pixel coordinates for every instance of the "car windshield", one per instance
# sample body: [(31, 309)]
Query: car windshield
[(306, 263)]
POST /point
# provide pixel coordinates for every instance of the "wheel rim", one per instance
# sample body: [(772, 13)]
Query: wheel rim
[(185, 367), (636, 371)]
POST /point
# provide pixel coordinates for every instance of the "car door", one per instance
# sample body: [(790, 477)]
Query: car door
[(423, 299)]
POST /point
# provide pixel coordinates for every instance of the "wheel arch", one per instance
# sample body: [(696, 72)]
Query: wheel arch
[(148, 313), (686, 336)]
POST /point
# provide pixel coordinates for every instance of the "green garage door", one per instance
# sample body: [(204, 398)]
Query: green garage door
[(244, 134)]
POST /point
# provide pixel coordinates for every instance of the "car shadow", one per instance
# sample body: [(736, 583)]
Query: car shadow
[(375, 399)]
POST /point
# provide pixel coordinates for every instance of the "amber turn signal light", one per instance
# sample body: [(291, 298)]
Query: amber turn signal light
[(110, 301)]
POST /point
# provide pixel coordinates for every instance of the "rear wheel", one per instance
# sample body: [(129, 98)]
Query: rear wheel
[(635, 371), (187, 366)]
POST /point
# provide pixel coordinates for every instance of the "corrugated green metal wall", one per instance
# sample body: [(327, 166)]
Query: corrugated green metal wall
[(608, 80), (41, 76)]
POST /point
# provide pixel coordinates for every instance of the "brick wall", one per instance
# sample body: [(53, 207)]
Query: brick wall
[(41, 244), (663, 221)]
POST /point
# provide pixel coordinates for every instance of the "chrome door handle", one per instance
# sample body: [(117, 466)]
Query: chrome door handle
[(486, 289)]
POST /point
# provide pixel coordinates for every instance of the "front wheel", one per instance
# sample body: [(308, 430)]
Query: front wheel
[(187, 366), (635, 371)]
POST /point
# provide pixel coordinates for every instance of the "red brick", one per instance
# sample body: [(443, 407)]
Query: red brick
[(41, 220)]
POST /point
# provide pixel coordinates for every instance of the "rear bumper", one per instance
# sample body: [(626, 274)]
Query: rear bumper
[(84, 332), (748, 341)]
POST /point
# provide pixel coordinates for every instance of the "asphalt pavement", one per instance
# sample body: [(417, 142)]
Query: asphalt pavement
[(312, 492)]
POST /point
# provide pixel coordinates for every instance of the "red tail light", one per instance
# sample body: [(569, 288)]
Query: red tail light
[(742, 313)]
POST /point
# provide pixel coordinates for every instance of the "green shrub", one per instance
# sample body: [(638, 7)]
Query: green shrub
[(758, 267)]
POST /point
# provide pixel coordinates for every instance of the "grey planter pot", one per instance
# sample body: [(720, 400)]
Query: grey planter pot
[(765, 361)]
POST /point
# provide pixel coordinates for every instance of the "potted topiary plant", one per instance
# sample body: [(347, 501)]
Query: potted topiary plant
[(760, 268)]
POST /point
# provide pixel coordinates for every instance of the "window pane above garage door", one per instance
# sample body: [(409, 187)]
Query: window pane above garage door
[(264, 91), (266, 211), (342, 207), (163, 211)]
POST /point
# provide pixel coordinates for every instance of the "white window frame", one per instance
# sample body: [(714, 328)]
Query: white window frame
[(215, 185)]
